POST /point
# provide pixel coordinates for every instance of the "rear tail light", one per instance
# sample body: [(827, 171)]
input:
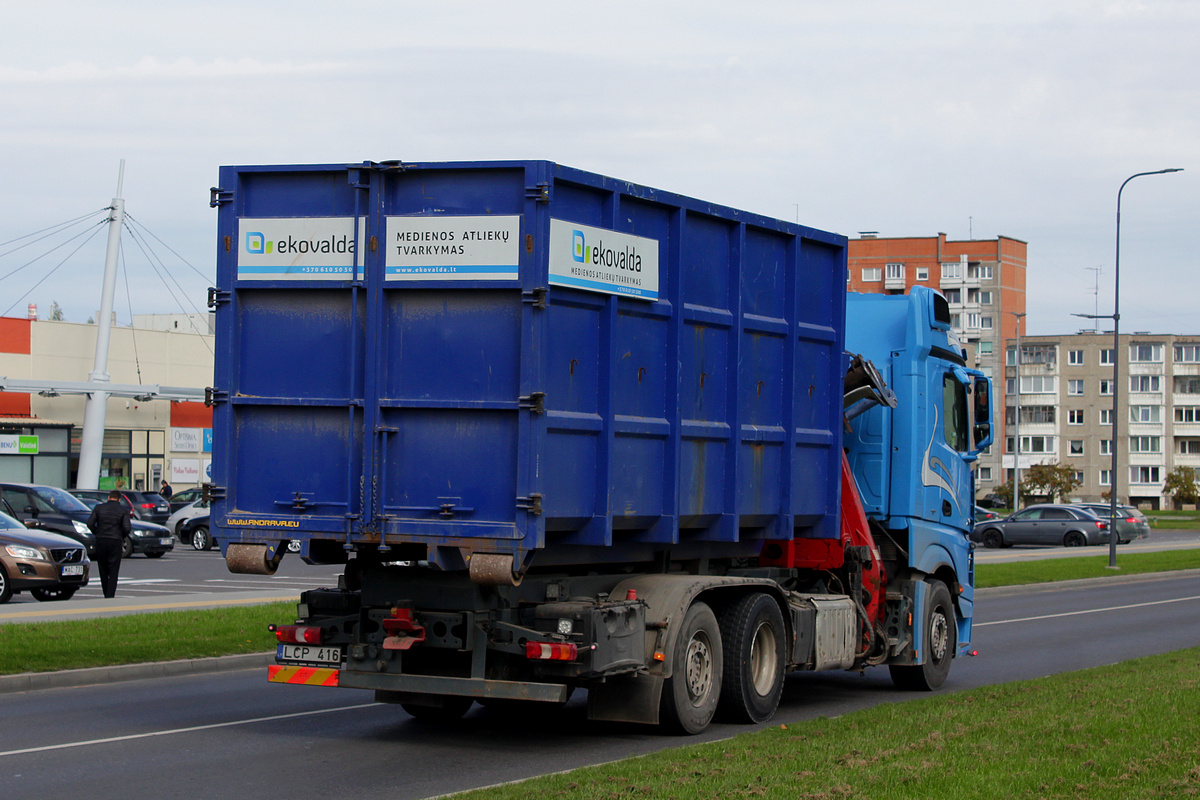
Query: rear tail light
[(147, 505), (296, 634), (551, 651), (1101, 525)]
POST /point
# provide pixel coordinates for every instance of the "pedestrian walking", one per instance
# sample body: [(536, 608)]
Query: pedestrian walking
[(109, 521)]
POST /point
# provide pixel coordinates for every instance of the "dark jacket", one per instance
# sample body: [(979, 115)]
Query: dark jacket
[(110, 520)]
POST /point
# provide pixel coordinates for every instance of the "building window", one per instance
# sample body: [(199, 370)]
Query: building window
[(952, 270), (1189, 447), (1187, 384), (985, 322), (894, 271), (1037, 444), (1039, 354), (871, 275), (1106, 415), (1147, 383), (981, 271), (1106, 477), (1034, 415), (1077, 476), (1187, 414), (1075, 416), (956, 321), (985, 473), (1187, 353), (1038, 384), (1075, 386), (953, 295), (985, 348), (1143, 474), (1145, 444), (1106, 447), (1106, 386), (1075, 358), (985, 298), (1075, 447), (1010, 356), (1106, 357), (1145, 353), (1145, 413)]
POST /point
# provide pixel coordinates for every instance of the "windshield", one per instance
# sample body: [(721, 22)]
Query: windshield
[(59, 499), (8, 523)]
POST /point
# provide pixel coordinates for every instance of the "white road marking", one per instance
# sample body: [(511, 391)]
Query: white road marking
[(172, 731), (1086, 611)]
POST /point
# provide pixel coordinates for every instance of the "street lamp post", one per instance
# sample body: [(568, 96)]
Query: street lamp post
[(1017, 419), (1116, 357)]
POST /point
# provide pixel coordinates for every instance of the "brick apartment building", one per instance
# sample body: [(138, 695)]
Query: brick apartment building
[(984, 280)]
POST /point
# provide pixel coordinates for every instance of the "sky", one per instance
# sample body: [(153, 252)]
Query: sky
[(1019, 119)]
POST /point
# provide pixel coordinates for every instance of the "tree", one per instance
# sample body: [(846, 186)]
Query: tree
[(1180, 483), (1050, 480), (56, 314)]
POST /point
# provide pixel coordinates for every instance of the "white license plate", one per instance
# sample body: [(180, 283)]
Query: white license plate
[(73, 569), (309, 654), (166, 540)]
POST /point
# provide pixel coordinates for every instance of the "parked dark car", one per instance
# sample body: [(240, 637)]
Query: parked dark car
[(47, 565), (196, 532), (146, 538), (50, 509), (983, 515), (1047, 524), (992, 501), (1131, 523), (184, 498), (146, 506)]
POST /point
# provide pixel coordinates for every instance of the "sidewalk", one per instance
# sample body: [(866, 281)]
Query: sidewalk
[(119, 606)]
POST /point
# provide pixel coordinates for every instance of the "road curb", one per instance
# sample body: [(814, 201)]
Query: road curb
[(1032, 588), (32, 681)]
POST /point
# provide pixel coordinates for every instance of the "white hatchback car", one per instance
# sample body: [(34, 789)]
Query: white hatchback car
[(197, 508)]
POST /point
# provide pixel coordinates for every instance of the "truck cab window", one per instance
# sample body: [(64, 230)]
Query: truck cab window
[(956, 427)]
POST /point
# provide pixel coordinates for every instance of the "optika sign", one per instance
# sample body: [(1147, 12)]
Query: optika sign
[(311, 248), (599, 260)]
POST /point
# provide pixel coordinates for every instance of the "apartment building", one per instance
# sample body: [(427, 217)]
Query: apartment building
[(984, 281), (1066, 405)]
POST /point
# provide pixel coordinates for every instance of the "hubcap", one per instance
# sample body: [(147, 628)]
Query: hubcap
[(939, 635), (762, 659), (698, 669)]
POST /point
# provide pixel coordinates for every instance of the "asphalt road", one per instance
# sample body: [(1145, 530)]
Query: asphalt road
[(234, 736)]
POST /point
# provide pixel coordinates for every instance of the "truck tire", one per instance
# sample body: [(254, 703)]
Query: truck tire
[(938, 645), (753, 640), (689, 698), (992, 538), (450, 709)]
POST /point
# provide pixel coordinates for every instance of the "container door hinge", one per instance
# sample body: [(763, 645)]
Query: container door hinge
[(213, 396), (217, 296), (539, 192), (532, 504), (535, 402), (211, 492), (536, 297), (218, 196)]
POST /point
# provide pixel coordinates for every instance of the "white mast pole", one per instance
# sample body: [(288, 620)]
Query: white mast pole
[(91, 447)]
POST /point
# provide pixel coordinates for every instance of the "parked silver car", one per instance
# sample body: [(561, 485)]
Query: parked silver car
[(1131, 523), (1047, 524)]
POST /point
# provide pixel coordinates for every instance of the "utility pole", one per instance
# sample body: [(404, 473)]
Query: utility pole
[(91, 448), (1017, 421)]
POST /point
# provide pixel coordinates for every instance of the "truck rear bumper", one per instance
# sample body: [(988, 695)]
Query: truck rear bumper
[(461, 687)]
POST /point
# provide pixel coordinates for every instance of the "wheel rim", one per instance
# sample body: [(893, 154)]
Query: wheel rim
[(699, 668), (762, 659), (939, 635)]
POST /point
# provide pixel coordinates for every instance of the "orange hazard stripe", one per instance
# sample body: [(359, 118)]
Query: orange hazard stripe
[(309, 676)]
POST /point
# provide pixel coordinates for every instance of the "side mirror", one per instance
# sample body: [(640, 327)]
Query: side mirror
[(982, 407)]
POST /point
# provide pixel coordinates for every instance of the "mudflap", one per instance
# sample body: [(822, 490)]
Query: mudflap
[(626, 698)]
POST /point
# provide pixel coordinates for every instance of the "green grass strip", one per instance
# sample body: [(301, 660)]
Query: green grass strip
[(1012, 573), (1131, 730), (138, 638)]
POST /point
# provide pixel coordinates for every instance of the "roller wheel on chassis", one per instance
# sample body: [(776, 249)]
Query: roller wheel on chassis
[(49, 595), (449, 709), (937, 646), (689, 697), (753, 639)]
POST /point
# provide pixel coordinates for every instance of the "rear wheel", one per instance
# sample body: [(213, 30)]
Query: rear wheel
[(200, 538), (937, 644), (127, 547), (752, 640), (48, 595), (992, 538), (5, 586), (1074, 539), (689, 698)]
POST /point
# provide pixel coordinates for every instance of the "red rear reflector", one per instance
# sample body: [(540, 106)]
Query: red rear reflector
[(307, 676), (296, 634), (551, 651)]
